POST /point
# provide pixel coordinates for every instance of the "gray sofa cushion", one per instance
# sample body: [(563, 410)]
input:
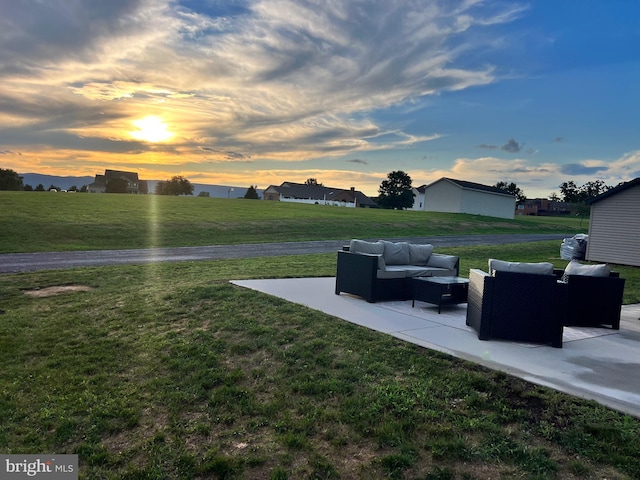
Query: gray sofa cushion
[(440, 260), (361, 246), (541, 268), (396, 253), (402, 271), (419, 254)]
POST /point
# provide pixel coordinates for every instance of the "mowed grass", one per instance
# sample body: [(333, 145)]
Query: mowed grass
[(169, 371), (44, 221)]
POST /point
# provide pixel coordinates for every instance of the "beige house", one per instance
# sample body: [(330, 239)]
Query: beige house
[(614, 227), (459, 196)]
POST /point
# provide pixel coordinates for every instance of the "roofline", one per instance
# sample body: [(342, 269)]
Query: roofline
[(614, 190), (492, 192)]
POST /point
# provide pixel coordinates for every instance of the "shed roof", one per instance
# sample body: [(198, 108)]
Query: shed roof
[(614, 191), (473, 186)]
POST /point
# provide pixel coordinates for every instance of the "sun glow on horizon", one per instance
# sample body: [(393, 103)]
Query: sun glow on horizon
[(151, 129)]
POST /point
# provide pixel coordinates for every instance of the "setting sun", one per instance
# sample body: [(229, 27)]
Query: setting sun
[(151, 129)]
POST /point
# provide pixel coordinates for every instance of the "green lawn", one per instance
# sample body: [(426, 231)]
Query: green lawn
[(44, 221), (170, 371)]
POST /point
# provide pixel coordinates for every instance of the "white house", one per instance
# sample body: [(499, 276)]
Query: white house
[(614, 226), (317, 194), (418, 197), (459, 196)]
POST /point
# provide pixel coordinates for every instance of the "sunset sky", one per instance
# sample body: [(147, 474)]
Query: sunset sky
[(257, 92)]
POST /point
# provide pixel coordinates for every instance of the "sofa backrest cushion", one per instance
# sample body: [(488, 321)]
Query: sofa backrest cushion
[(443, 261), (361, 246), (396, 253), (419, 253), (577, 268), (541, 268)]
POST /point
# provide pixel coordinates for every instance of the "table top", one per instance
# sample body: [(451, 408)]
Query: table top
[(443, 280)]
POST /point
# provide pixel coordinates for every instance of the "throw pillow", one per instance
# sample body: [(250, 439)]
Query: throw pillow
[(396, 253), (577, 268), (419, 254)]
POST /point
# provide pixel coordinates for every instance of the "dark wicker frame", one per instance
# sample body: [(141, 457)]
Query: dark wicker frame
[(515, 306), (591, 301), (356, 274)]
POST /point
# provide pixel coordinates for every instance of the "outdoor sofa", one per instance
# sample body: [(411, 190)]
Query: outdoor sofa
[(533, 302), (381, 271)]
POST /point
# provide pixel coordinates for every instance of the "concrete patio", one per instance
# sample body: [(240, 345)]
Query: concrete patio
[(597, 364)]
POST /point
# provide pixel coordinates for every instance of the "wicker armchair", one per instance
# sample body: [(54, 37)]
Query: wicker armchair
[(515, 306), (591, 301)]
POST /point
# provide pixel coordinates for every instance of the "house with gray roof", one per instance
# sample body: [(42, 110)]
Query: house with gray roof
[(460, 196), (318, 194), (134, 184)]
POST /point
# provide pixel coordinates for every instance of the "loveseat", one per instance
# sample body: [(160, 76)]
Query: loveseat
[(379, 271)]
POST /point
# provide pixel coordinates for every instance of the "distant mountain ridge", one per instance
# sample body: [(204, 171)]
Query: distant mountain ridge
[(65, 183)]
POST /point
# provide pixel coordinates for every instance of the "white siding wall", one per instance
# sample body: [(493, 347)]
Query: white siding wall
[(614, 229), (490, 204), (443, 196), (418, 200)]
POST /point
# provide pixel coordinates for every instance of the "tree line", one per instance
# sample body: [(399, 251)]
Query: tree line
[(395, 191)]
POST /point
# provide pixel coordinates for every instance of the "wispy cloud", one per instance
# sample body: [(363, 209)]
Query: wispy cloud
[(271, 79)]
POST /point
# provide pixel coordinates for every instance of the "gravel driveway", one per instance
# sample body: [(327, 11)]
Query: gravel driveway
[(31, 262)]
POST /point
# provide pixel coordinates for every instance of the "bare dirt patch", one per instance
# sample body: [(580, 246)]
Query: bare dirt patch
[(57, 290)]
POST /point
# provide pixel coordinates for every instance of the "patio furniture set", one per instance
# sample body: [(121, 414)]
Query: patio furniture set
[(524, 302)]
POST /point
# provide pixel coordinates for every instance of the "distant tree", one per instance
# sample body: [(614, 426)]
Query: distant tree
[(177, 185), (84, 189), (512, 189), (10, 180), (73, 188), (28, 188), (204, 194), (252, 193), (40, 188), (312, 181), (571, 193), (395, 192), (554, 197), (116, 185)]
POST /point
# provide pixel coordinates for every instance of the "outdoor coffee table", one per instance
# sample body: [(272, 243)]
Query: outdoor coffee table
[(439, 290)]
